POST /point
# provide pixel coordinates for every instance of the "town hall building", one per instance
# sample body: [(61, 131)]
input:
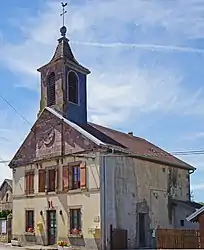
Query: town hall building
[(78, 181)]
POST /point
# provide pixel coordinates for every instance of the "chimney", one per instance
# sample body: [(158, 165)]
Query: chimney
[(130, 133)]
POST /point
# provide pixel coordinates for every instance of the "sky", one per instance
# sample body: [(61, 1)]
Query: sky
[(146, 59)]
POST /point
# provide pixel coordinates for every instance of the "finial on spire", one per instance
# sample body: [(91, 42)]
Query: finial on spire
[(63, 29)]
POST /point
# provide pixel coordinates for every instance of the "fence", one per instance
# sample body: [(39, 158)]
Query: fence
[(118, 238), (177, 239)]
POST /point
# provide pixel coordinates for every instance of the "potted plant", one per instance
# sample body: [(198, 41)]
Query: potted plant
[(30, 230), (75, 231), (64, 245), (16, 242)]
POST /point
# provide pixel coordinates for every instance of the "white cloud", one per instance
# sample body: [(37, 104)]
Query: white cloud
[(112, 38), (198, 187), (119, 85)]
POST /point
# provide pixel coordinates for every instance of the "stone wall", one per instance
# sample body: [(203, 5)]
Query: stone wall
[(136, 186)]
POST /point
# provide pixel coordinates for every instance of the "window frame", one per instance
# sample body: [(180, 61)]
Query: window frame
[(76, 184), (27, 224), (71, 221), (77, 88), (53, 180), (71, 167)]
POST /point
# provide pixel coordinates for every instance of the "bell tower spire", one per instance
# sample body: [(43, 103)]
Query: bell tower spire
[(63, 81)]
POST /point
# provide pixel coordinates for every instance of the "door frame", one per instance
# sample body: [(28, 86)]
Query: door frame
[(47, 226), (144, 233)]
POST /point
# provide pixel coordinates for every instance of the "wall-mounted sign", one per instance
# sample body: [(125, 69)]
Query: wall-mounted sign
[(3, 227)]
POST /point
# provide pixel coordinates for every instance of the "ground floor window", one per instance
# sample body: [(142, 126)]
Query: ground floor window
[(75, 221), (29, 226)]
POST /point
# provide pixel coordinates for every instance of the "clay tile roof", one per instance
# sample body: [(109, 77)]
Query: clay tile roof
[(136, 145)]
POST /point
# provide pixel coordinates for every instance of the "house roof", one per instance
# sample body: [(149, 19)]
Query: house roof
[(91, 137), (136, 145), (192, 204), (140, 147), (194, 216), (8, 181), (121, 142)]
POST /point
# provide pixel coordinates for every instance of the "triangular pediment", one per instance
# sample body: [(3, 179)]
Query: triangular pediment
[(51, 136)]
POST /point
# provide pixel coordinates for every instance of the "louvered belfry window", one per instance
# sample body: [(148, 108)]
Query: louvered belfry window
[(51, 96), (73, 87)]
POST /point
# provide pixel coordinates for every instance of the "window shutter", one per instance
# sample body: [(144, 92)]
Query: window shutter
[(65, 179), (79, 219), (41, 180), (83, 175), (70, 220), (26, 183), (31, 182), (70, 178), (56, 179)]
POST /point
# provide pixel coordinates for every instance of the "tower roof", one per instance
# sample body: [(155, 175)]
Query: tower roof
[(63, 51)]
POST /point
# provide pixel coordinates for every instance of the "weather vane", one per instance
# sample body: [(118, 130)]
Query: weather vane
[(63, 11)]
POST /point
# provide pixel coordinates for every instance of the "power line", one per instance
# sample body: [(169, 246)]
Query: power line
[(6, 101), (176, 153)]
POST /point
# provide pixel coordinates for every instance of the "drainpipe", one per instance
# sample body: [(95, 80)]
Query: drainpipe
[(103, 205), (103, 201), (189, 185)]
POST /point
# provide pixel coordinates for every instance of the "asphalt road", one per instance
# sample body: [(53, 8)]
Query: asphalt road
[(9, 247)]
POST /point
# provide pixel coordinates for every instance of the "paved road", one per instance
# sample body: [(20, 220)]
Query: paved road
[(9, 247)]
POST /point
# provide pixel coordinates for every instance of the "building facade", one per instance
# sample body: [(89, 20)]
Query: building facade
[(6, 195), (74, 180)]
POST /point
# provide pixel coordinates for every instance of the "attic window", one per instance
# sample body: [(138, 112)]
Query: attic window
[(51, 98), (73, 87)]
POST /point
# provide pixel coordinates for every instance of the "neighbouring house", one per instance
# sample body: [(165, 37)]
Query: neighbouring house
[(6, 195), (76, 180), (183, 208), (6, 206), (198, 217)]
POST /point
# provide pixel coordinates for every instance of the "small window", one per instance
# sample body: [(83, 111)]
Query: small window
[(73, 87), (74, 176), (182, 223), (51, 98), (75, 221), (51, 180), (29, 221)]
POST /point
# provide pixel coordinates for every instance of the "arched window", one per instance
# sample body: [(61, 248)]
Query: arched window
[(7, 197), (73, 87), (51, 99)]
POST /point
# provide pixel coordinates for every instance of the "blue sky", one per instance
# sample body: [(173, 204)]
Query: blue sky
[(146, 58)]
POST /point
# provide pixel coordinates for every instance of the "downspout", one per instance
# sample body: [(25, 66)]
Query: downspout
[(103, 206), (103, 201), (189, 185)]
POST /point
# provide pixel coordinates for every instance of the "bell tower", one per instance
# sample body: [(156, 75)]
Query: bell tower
[(63, 82)]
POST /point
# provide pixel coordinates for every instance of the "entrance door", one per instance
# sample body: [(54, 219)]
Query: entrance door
[(142, 241), (51, 227)]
